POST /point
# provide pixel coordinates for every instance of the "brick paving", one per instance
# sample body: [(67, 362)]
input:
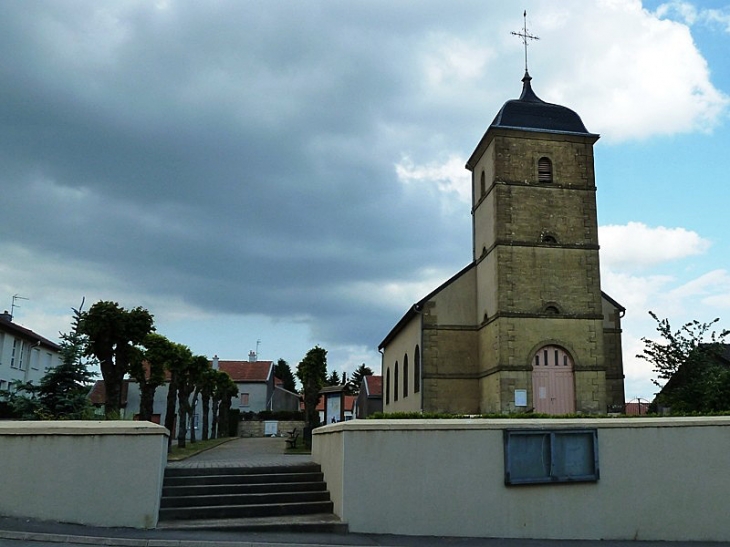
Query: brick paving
[(245, 452)]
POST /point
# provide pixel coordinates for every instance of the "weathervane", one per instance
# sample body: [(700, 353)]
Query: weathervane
[(525, 36)]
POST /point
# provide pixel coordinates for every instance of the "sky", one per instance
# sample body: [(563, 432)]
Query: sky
[(275, 175)]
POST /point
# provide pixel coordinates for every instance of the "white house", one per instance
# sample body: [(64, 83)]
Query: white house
[(24, 354)]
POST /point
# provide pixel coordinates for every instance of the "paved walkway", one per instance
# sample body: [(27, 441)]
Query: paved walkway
[(245, 452)]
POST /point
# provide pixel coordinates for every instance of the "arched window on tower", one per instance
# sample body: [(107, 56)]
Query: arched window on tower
[(544, 170), (417, 370)]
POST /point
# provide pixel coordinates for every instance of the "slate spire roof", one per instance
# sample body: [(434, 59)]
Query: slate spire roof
[(532, 113)]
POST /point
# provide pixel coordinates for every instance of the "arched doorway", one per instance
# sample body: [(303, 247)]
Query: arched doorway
[(553, 387)]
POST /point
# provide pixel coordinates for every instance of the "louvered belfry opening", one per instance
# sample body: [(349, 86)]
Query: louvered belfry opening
[(544, 170)]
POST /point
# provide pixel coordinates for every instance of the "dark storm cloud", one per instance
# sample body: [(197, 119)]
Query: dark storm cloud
[(237, 154)]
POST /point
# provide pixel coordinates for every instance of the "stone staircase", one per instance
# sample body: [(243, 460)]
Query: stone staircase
[(290, 498)]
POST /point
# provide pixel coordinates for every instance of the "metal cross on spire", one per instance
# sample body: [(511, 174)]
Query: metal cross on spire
[(525, 36)]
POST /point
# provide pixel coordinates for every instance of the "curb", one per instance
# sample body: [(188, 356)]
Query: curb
[(142, 542)]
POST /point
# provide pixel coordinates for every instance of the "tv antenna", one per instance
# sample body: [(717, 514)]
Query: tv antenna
[(14, 305), (525, 36)]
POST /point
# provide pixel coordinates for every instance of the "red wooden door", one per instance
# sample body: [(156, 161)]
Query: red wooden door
[(553, 388)]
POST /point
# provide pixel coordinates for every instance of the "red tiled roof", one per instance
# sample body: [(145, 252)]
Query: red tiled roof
[(373, 386), (350, 402), (247, 371)]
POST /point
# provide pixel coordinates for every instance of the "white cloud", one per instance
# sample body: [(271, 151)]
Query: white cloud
[(449, 177), (635, 245), (449, 61), (704, 285), (691, 15), (638, 75)]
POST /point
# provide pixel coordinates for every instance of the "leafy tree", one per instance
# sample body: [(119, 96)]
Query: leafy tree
[(333, 379), (689, 366), (312, 373), (148, 368), (283, 372), (112, 334), (353, 386)]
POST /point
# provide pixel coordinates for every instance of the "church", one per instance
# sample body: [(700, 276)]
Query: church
[(525, 326)]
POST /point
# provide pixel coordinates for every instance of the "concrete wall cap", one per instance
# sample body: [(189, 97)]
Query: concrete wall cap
[(81, 427), (492, 424)]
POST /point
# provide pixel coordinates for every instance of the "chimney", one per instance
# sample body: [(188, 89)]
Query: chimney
[(5, 316), (215, 362), (252, 356)]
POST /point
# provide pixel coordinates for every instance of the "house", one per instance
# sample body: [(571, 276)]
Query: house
[(370, 398), (257, 386), (524, 326), (24, 354)]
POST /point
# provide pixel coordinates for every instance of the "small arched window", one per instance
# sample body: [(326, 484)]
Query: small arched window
[(405, 376), (552, 310), (417, 370), (483, 185), (544, 170), (549, 239), (395, 382)]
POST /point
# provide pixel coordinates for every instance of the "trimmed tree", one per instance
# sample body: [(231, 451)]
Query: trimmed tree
[(112, 334), (148, 367), (225, 389), (207, 387)]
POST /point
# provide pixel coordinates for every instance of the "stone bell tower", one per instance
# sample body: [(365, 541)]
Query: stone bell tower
[(535, 237)]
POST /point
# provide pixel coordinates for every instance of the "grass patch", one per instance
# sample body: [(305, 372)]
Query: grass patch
[(191, 449)]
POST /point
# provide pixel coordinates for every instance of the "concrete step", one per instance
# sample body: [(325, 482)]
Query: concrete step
[(279, 498), (243, 499), (241, 478), (253, 488), (245, 511), (257, 470)]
